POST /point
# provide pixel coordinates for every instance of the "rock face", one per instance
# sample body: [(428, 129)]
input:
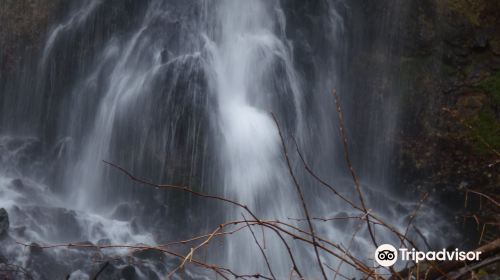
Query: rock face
[(23, 33), (128, 273), (450, 123), (4, 222)]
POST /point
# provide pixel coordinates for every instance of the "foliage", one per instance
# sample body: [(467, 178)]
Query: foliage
[(491, 86)]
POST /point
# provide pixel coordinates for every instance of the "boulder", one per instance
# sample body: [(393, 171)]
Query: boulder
[(149, 254), (128, 273)]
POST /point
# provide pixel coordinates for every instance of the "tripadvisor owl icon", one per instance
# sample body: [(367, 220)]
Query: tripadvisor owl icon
[(386, 255)]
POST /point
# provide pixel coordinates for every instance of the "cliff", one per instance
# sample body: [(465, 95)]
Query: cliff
[(450, 126)]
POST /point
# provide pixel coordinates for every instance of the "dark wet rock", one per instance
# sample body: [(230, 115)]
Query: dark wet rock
[(110, 271), (18, 185), (64, 223), (3, 259), (4, 223), (149, 254), (48, 265), (129, 273), (151, 275), (123, 212), (104, 241)]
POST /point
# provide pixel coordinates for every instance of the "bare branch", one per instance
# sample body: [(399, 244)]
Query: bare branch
[(260, 248), (349, 164), (301, 195)]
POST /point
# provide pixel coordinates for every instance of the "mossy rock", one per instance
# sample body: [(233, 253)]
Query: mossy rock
[(486, 130), (491, 85), (486, 126)]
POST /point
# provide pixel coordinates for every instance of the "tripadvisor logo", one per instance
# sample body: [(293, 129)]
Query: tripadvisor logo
[(386, 255)]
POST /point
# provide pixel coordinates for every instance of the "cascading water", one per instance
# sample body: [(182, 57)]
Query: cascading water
[(183, 92), (243, 53)]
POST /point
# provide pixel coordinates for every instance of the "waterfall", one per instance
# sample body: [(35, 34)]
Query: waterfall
[(242, 55), (184, 92)]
